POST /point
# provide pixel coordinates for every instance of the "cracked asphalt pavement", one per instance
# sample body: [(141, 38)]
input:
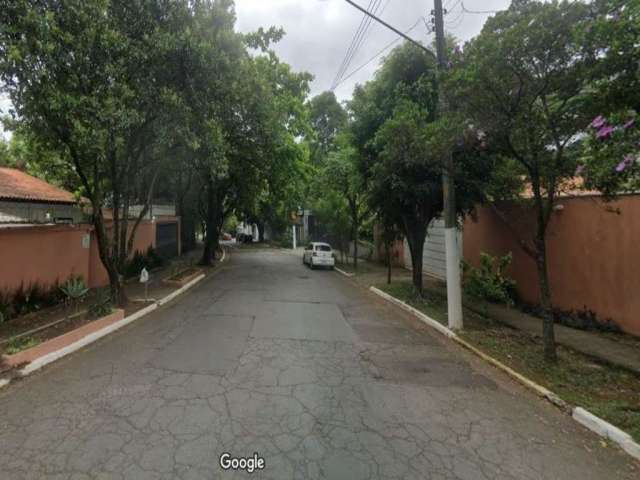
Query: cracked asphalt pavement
[(316, 375)]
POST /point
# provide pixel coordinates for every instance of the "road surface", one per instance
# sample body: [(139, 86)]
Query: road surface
[(315, 375)]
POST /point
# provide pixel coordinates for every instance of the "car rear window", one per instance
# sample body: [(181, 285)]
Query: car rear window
[(323, 248)]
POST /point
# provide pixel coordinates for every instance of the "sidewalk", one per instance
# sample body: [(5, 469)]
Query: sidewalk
[(623, 351)]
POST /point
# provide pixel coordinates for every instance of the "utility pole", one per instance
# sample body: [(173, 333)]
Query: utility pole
[(454, 293)]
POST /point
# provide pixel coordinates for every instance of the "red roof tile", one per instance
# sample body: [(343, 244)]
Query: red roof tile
[(17, 185)]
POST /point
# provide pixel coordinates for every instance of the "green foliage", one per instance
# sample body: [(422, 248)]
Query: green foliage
[(74, 288), (28, 299), (328, 120), (610, 159), (16, 345), (101, 306), (149, 260), (488, 281)]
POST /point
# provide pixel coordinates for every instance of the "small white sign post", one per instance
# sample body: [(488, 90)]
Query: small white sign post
[(144, 278)]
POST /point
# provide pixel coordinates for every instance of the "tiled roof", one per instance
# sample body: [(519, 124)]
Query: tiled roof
[(20, 186)]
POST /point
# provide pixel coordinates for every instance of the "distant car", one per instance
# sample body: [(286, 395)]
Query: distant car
[(319, 255)]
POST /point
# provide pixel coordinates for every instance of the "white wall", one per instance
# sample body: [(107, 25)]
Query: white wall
[(434, 259)]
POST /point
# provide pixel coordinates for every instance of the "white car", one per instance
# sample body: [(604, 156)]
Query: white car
[(319, 255)]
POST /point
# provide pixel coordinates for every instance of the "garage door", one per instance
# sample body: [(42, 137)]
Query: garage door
[(434, 260), (167, 239)]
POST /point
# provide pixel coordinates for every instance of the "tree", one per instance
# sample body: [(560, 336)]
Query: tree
[(328, 119), (521, 80), (341, 174), (610, 160), (92, 80)]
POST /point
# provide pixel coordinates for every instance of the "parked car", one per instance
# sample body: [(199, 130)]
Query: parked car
[(319, 254)]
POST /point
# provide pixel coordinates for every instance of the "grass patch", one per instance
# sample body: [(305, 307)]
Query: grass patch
[(363, 266), (610, 392), (16, 345)]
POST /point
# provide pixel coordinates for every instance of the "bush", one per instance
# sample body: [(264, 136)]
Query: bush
[(151, 259), (101, 306), (28, 299), (15, 345), (488, 281)]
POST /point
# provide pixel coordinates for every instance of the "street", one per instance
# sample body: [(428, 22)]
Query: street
[(314, 375)]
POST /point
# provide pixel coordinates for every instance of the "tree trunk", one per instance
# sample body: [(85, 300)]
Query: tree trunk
[(416, 235), (260, 231), (211, 233), (548, 333), (388, 253), (118, 296), (354, 233)]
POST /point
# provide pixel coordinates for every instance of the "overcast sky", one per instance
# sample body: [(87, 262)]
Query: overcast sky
[(318, 32)]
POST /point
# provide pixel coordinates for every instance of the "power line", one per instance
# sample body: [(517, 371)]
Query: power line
[(477, 12), (393, 29), (387, 47), (356, 41), (351, 44)]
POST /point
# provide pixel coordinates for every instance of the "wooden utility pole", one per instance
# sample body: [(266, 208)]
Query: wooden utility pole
[(454, 290)]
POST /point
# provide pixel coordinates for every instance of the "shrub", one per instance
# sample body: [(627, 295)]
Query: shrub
[(101, 306), (151, 259), (488, 281), (15, 345), (74, 289)]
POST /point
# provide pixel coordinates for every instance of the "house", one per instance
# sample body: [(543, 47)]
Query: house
[(45, 238), (25, 199)]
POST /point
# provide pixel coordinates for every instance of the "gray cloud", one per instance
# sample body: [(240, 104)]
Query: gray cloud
[(319, 32)]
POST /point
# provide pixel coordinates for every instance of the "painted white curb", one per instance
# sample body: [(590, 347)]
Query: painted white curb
[(579, 414), (346, 274), (92, 337), (426, 319), (606, 430), (180, 291)]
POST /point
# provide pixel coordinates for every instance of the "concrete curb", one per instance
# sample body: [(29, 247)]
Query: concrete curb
[(93, 337), (346, 274), (425, 318), (180, 291), (579, 414), (606, 430)]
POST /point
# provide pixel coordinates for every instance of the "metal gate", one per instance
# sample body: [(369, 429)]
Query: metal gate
[(167, 239)]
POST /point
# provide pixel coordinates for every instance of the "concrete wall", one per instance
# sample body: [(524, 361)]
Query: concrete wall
[(593, 255), (52, 253), (43, 254)]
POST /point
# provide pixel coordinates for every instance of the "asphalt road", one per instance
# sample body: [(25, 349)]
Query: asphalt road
[(316, 376)]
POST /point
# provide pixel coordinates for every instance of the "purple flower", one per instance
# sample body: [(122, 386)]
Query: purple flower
[(630, 123), (579, 170), (626, 162), (604, 132), (598, 122)]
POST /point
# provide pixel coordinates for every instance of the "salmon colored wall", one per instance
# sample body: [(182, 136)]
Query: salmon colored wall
[(593, 255), (43, 254), (145, 238), (50, 253)]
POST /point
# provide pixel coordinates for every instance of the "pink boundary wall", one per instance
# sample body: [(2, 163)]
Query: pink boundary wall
[(52, 253), (592, 251)]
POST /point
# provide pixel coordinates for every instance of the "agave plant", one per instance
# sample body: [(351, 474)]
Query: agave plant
[(74, 289)]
